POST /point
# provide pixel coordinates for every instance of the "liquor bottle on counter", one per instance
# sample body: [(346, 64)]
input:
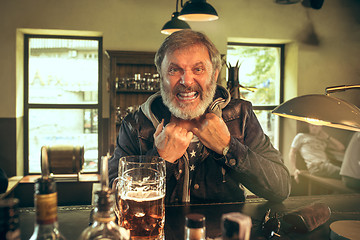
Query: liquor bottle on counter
[(45, 199), (195, 227), (104, 226), (9, 219)]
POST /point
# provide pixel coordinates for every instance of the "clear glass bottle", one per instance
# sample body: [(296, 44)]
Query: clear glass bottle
[(45, 200), (195, 227), (104, 226), (9, 219)]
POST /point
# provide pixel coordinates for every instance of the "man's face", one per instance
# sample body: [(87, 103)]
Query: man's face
[(314, 129), (188, 81)]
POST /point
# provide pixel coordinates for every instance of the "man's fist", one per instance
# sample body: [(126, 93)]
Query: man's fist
[(213, 132), (171, 141)]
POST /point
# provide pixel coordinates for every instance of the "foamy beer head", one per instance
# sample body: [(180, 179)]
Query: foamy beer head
[(140, 194)]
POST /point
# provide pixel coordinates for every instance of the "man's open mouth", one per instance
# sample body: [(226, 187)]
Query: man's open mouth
[(187, 96)]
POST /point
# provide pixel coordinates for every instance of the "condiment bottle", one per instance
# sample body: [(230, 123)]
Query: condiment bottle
[(195, 228), (236, 226)]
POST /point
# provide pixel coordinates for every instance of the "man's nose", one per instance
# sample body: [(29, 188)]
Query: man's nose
[(187, 78)]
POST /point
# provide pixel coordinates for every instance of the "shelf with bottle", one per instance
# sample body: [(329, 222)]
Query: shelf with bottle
[(138, 84), (122, 112), (125, 91)]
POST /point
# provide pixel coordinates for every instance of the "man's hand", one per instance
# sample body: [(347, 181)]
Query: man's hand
[(323, 135), (213, 132), (171, 141), (296, 175)]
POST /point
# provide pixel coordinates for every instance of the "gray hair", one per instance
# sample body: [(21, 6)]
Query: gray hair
[(183, 39)]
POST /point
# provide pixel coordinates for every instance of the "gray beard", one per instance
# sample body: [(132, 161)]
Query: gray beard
[(181, 111)]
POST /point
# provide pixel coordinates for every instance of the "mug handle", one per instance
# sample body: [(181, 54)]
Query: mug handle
[(115, 191), (113, 186)]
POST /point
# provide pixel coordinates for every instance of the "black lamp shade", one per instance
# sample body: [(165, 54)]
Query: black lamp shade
[(174, 25), (287, 1), (321, 110), (198, 10)]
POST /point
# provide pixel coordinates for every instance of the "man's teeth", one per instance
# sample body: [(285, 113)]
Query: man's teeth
[(187, 95)]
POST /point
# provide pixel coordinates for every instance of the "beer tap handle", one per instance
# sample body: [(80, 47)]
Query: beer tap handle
[(45, 172), (104, 176)]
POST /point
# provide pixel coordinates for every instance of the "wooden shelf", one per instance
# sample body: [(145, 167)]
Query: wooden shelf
[(135, 91), (122, 65)]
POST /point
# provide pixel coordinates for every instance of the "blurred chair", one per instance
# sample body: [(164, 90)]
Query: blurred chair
[(315, 185)]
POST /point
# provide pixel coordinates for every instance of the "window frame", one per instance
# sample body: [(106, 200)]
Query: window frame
[(28, 106), (281, 84)]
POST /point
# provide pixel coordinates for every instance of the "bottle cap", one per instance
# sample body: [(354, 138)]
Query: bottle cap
[(45, 185), (195, 220)]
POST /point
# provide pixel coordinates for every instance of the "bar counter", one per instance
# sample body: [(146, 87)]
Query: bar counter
[(74, 219)]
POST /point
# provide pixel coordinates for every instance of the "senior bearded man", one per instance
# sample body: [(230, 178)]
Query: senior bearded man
[(213, 145)]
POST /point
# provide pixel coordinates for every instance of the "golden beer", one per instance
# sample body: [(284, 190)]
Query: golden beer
[(143, 215)]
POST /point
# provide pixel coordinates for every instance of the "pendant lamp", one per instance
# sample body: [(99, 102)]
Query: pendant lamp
[(314, 4), (286, 1), (175, 24), (323, 110), (198, 10)]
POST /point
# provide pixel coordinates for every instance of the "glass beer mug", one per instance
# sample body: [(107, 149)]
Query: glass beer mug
[(140, 196)]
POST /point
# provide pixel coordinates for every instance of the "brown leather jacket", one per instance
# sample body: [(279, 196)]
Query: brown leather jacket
[(251, 161)]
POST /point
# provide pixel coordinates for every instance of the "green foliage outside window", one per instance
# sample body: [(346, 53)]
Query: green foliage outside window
[(259, 68), (260, 71)]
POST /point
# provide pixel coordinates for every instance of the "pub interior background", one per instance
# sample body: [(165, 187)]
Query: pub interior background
[(134, 25)]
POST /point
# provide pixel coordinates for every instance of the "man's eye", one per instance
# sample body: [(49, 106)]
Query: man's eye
[(198, 70), (174, 71)]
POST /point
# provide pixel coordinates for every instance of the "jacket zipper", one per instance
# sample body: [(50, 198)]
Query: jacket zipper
[(186, 188)]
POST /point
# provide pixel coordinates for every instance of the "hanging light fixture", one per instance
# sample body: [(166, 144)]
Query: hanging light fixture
[(198, 10), (323, 110), (287, 1), (314, 4), (175, 24)]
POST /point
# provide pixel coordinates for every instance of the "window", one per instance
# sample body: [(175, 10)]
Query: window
[(261, 74), (62, 96)]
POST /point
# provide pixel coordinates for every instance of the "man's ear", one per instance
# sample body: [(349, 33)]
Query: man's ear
[(216, 74)]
